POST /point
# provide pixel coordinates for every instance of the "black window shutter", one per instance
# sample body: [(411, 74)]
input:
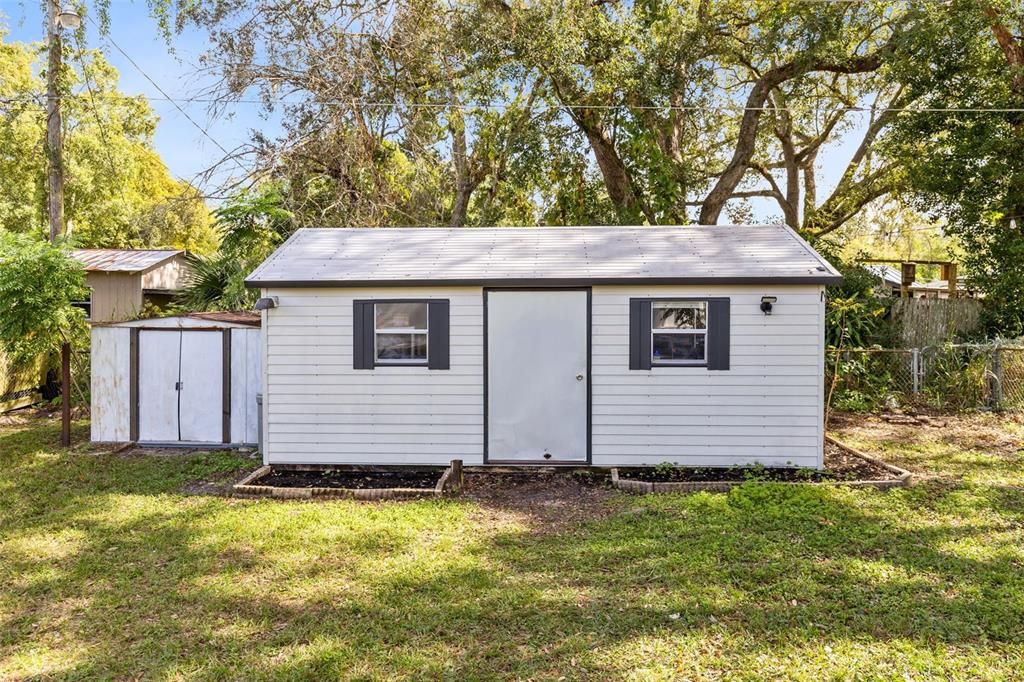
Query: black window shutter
[(718, 333), (639, 333), (362, 335), (438, 350)]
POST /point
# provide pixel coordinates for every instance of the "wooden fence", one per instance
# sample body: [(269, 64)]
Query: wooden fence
[(922, 322)]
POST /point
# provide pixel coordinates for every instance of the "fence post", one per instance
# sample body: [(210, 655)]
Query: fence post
[(996, 381), (915, 370)]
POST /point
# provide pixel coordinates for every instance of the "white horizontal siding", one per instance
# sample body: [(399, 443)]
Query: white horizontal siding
[(767, 407), (319, 410)]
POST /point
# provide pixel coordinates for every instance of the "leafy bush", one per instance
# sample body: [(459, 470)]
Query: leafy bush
[(956, 377), (38, 281), (251, 227), (870, 380), (855, 316)]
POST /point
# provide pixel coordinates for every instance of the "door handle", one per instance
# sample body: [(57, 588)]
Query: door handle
[(579, 377)]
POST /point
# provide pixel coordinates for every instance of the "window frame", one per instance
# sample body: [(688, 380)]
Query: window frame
[(705, 332), (85, 305), (411, 331)]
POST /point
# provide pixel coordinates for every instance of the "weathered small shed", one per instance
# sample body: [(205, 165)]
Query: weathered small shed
[(121, 281), (610, 346), (177, 380)]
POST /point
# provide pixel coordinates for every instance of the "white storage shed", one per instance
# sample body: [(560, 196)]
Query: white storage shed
[(186, 380), (608, 346)]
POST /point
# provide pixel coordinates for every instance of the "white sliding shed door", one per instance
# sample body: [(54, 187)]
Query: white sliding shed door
[(201, 406), (537, 376), (181, 386), (159, 359)]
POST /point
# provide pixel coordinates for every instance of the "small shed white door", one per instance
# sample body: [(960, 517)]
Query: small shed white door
[(537, 376), (180, 386), (201, 408), (159, 356)]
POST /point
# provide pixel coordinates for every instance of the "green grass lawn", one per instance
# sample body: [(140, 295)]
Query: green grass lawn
[(109, 570)]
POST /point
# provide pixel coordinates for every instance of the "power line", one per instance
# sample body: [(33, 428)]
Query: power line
[(102, 128), (168, 98), (544, 107)]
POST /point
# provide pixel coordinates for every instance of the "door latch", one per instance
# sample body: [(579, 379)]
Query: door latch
[(579, 377), (178, 385)]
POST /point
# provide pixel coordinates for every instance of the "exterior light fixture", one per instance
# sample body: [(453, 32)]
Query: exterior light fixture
[(766, 304), (266, 303), (69, 18)]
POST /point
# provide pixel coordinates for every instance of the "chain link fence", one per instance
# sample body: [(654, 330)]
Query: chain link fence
[(949, 377), (20, 381)]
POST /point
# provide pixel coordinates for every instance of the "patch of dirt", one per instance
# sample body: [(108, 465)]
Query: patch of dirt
[(218, 484), (13, 419), (25, 415), (358, 480), (552, 498), (129, 450), (839, 466), (997, 434)]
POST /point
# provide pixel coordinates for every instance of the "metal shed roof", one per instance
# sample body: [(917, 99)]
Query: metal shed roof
[(122, 260), (543, 255), (886, 273)]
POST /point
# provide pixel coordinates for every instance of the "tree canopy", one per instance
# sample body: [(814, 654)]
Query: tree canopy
[(487, 112), (497, 112), (968, 166), (118, 192)]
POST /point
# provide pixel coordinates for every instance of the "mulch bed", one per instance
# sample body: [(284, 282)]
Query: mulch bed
[(839, 466), (353, 480), (552, 499)]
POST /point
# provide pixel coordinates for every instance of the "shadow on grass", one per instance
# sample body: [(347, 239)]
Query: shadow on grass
[(106, 572)]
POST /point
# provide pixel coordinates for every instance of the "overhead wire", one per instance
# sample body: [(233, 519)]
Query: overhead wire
[(100, 125), (544, 107), (168, 98)]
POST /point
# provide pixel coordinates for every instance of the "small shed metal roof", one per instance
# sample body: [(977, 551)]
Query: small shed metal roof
[(234, 317), (123, 260), (886, 273), (543, 256), (222, 320)]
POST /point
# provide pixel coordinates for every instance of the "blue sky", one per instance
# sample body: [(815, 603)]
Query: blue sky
[(185, 149)]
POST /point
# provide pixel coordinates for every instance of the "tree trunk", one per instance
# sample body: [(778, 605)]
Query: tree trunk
[(463, 193), (630, 208), (464, 183)]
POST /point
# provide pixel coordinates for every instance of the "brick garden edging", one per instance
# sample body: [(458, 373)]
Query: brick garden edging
[(249, 487), (901, 478)]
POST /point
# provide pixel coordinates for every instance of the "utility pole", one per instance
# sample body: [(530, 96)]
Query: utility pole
[(56, 21), (54, 143)]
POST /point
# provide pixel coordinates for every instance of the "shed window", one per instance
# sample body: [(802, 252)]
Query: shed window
[(679, 332), (400, 333), (85, 304), (667, 332)]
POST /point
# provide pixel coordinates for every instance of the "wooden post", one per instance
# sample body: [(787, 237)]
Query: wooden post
[(456, 477), (908, 273), (65, 394), (949, 274)]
